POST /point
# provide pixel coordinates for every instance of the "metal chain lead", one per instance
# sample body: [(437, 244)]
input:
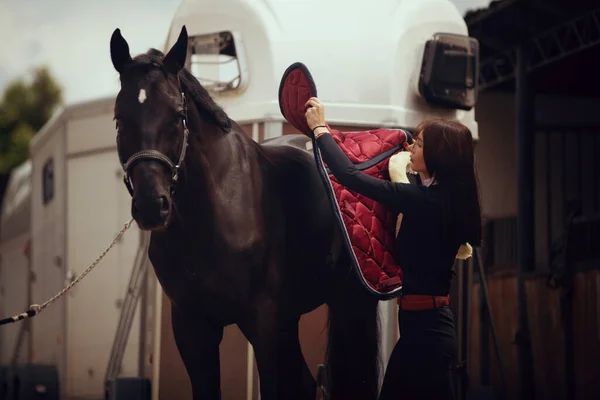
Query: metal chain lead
[(36, 308)]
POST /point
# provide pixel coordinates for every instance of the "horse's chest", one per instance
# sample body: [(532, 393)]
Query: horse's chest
[(210, 289), (190, 289)]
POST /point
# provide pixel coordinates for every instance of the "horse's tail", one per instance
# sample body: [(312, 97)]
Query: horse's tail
[(352, 355)]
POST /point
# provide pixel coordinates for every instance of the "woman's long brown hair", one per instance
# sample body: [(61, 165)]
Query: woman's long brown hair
[(449, 155)]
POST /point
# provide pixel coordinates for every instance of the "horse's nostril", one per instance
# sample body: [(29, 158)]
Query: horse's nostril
[(164, 203), (134, 206)]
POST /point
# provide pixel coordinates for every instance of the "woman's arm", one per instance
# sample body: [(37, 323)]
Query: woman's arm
[(401, 196)]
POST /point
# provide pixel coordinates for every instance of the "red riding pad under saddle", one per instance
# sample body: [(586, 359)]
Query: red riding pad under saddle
[(368, 227)]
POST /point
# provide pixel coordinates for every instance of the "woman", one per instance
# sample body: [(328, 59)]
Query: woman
[(439, 216)]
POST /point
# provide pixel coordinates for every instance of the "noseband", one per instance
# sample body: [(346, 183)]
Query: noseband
[(155, 155)]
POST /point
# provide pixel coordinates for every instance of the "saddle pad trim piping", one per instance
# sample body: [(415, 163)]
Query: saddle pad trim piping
[(311, 84)]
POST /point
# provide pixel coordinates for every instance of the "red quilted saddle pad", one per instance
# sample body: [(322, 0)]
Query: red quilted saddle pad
[(368, 227)]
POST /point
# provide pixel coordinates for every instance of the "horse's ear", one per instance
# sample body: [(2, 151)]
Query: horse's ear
[(119, 50), (175, 58)]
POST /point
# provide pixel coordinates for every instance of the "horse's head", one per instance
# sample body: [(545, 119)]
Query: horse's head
[(150, 113)]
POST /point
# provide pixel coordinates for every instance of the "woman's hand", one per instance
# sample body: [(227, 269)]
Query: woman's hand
[(315, 116)]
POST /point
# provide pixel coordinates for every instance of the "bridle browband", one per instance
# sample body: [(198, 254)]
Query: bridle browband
[(156, 155)]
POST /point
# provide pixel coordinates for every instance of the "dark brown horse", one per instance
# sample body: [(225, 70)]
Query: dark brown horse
[(241, 234)]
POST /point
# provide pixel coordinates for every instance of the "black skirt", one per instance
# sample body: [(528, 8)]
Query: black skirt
[(422, 362)]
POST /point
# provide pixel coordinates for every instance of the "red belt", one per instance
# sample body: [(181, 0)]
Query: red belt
[(417, 302)]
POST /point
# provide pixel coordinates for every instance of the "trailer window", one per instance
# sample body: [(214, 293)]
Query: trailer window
[(48, 181), (215, 60)]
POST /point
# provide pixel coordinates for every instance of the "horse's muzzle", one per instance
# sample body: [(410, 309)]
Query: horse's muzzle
[(151, 212)]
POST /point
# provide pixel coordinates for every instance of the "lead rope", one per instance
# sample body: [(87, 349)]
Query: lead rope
[(35, 309)]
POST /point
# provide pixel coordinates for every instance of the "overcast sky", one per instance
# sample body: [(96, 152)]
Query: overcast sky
[(72, 37)]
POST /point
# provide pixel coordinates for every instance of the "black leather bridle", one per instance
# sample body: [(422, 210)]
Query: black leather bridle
[(156, 155)]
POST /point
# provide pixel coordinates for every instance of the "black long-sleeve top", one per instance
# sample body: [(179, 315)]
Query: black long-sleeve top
[(425, 257)]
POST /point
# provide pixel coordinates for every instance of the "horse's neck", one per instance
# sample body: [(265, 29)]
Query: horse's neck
[(220, 189), (204, 171)]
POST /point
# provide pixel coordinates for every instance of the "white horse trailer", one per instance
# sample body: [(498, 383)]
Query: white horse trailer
[(19, 378), (78, 204), (376, 64), (15, 267)]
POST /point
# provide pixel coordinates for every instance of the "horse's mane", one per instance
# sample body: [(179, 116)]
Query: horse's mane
[(200, 96)]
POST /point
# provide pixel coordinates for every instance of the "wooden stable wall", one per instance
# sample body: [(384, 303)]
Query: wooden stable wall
[(546, 325)]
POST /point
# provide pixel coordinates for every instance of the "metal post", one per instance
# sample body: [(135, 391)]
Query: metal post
[(143, 324), (468, 317), (525, 226), (566, 305), (490, 319), (484, 337), (457, 306)]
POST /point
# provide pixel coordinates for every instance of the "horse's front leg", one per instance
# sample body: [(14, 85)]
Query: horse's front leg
[(198, 341), (282, 369)]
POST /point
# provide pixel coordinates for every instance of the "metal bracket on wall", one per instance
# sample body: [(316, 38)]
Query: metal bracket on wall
[(552, 45)]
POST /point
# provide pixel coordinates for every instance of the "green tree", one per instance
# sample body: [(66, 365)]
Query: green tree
[(24, 108)]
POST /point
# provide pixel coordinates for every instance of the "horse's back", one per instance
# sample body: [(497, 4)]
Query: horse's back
[(296, 141), (294, 166)]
